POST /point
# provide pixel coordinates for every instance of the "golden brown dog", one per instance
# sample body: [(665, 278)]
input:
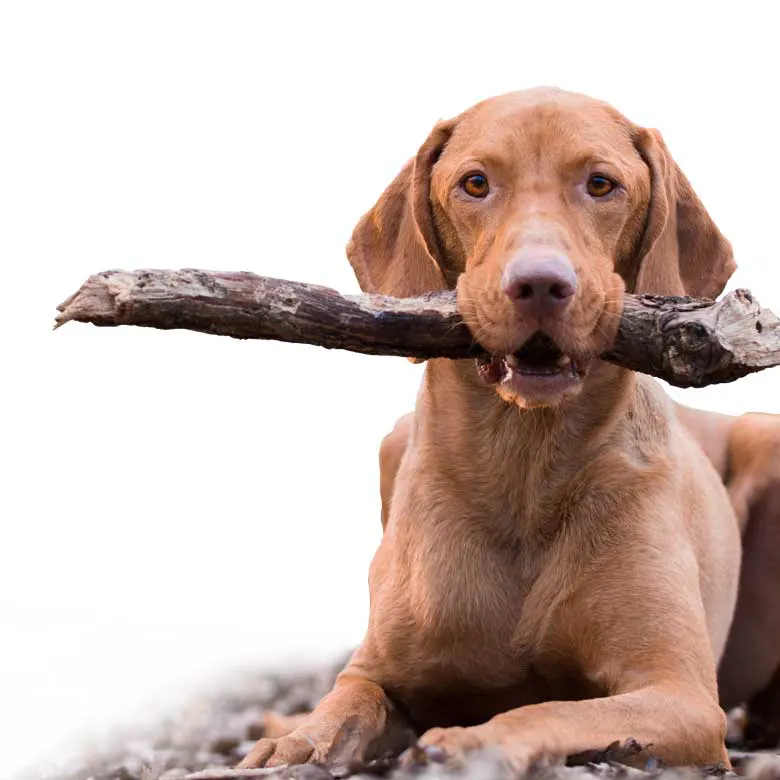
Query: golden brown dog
[(560, 560)]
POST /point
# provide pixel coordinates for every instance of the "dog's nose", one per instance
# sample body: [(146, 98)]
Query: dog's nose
[(540, 284)]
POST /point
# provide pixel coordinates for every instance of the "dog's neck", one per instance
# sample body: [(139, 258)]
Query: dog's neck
[(499, 453)]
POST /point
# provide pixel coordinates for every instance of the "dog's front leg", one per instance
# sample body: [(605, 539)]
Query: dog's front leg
[(675, 723), (351, 723)]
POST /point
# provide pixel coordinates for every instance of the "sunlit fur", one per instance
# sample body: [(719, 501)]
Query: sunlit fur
[(559, 573)]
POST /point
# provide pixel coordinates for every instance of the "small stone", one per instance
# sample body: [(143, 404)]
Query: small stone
[(305, 772), (224, 745), (765, 766)]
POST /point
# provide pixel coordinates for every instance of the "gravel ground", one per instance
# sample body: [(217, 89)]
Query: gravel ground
[(211, 734)]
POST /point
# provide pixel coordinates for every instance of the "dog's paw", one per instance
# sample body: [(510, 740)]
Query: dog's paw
[(456, 743), (314, 741), (295, 748)]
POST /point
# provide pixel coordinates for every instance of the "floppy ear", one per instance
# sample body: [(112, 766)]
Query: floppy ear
[(394, 250), (682, 252)]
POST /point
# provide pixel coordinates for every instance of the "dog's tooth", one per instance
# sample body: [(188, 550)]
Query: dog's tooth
[(563, 361), (512, 361)]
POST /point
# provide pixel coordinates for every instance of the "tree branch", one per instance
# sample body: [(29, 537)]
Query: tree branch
[(687, 342)]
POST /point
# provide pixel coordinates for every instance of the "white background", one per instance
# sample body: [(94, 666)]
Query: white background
[(174, 504)]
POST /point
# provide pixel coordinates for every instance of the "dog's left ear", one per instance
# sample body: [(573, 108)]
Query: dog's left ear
[(682, 252)]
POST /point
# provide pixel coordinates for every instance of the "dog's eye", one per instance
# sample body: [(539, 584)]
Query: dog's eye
[(599, 186), (476, 185)]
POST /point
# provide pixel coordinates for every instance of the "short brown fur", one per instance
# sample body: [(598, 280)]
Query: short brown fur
[(559, 568)]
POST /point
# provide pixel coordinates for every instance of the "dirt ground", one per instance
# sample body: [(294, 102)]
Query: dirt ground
[(214, 731)]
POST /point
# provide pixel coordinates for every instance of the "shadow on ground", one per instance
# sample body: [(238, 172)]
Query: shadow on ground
[(210, 735)]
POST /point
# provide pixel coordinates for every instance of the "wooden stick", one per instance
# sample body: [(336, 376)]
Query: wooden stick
[(687, 342)]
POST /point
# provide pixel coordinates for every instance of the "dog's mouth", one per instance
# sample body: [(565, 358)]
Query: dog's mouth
[(540, 361)]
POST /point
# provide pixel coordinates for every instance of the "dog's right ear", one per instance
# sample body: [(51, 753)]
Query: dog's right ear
[(394, 250)]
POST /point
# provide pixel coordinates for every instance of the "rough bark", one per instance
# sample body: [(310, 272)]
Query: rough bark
[(687, 342)]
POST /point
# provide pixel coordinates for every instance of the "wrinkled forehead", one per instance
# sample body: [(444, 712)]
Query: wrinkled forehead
[(543, 127)]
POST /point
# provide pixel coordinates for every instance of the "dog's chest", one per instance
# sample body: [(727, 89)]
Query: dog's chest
[(458, 626), (463, 657)]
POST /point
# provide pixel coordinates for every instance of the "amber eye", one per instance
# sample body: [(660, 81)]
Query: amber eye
[(476, 185), (599, 186)]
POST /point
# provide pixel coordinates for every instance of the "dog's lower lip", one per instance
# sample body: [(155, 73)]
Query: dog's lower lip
[(540, 365)]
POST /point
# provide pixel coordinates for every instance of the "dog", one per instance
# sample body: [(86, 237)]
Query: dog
[(560, 561)]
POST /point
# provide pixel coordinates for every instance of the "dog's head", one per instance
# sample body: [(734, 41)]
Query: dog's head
[(541, 208)]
